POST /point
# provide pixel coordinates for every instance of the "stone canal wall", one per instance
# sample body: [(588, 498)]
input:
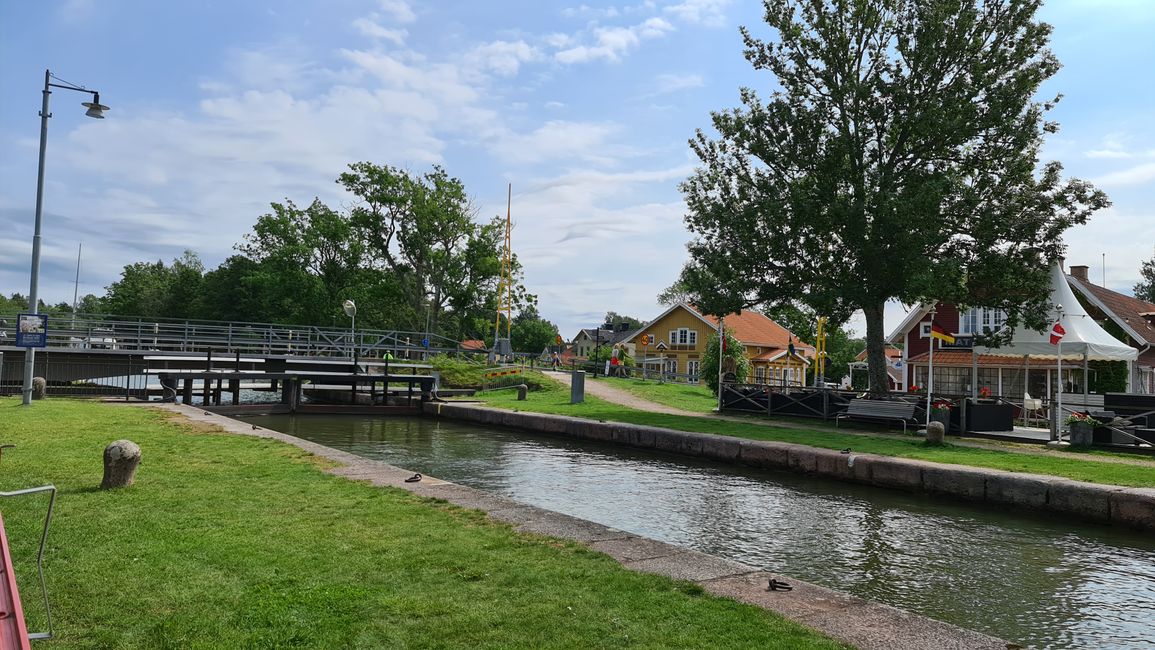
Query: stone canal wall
[(1134, 507)]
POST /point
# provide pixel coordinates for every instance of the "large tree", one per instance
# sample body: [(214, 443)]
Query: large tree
[(1145, 289), (421, 229), (896, 158)]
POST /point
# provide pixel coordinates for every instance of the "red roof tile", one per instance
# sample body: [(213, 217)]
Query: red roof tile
[(1126, 308), (755, 328)]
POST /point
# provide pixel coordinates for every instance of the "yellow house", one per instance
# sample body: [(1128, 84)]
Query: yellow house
[(679, 344)]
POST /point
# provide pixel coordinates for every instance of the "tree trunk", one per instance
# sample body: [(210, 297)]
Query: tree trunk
[(876, 349)]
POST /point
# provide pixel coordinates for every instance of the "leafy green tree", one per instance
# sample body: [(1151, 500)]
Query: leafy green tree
[(309, 260), (530, 332), (897, 157), (1145, 289), (421, 230), (735, 356), (616, 320)]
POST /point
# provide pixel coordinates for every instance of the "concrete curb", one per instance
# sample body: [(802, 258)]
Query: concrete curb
[(863, 624), (1133, 507)]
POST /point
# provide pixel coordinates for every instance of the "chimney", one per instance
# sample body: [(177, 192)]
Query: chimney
[(1080, 273)]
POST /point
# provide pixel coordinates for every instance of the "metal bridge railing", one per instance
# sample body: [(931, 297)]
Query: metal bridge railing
[(104, 332)]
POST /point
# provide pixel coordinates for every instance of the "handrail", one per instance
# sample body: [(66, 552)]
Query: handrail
[(51, 489)]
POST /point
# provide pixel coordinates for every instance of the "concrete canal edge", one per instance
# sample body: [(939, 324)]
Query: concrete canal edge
[(1133, 507), (858, 622)]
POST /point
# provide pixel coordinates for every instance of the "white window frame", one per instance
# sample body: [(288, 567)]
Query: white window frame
[(693, 369), (670, 367), (760, 375)]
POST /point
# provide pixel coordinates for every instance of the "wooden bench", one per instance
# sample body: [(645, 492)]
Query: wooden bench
[(875, 409)]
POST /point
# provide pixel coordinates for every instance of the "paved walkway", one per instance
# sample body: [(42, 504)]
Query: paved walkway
[(604, 389)]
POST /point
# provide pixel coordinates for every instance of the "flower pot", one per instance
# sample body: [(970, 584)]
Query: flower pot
[(941, 415), (1082, 434)]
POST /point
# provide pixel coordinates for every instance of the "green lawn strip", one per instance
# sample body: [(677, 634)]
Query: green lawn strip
[(227, 542), (681, 396), (555, 399)]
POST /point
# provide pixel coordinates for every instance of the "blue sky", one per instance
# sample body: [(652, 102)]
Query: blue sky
[(219, 108)]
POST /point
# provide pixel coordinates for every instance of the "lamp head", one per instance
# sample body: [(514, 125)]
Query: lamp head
[(350, 308), (95, 108)]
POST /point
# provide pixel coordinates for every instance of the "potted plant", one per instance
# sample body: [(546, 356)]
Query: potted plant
[(940, 411), (984, 393), (1082, 428)]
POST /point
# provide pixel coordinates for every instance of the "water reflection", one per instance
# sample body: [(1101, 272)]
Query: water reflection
[(1037, 581)]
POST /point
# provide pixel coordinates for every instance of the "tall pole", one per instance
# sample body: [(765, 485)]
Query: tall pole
[(1059, 383), (76, 283), (33, 298), (930, 369), (721, 356)]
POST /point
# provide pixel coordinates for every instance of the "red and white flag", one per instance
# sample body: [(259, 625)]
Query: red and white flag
[(1057, 333)]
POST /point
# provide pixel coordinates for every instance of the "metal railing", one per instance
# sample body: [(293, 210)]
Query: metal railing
[(105, 332)]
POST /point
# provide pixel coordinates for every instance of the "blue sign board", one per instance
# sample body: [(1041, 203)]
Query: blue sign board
[(424, 343), (32, 330)]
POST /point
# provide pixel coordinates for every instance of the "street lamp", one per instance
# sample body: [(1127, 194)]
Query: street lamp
[(350, 308), (95, 110)]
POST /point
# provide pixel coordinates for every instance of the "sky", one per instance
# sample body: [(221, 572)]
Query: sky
[(219, 108)]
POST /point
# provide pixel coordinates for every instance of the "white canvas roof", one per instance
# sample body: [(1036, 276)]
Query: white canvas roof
[(1084, 335)]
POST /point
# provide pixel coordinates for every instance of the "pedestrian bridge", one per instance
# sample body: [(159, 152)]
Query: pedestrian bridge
[(118, 349)]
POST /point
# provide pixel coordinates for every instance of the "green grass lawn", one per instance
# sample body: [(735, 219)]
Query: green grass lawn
[(231, 542), (682, 396), (1079, 466)]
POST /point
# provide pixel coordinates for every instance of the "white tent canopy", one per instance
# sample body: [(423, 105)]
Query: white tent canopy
[(1083, 335)]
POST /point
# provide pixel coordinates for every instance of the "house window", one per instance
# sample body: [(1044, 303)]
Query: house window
[(978, 320), (924, 330), (692, 370), (670, 367), (760, 375), (683, 336)]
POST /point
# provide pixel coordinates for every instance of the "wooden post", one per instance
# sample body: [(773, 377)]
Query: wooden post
[(187, 390), (235, 389)]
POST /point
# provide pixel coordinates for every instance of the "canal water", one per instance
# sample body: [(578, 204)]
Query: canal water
[(1040, 581)]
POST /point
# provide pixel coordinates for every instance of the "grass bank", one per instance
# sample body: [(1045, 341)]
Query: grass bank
[(554, 398), (230, 542), (681, 396)]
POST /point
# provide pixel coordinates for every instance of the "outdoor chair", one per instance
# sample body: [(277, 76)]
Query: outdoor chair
[(1031, 405)]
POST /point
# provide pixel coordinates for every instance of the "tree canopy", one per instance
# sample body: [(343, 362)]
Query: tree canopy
[(1145, 288), (409, 252), (897, 157)]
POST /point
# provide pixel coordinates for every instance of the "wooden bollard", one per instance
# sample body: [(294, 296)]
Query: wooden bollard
[(120, 460)]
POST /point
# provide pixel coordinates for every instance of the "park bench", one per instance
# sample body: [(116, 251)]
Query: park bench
[(875, 409)]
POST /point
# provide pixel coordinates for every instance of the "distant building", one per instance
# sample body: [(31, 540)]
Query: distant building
[(680, 337)]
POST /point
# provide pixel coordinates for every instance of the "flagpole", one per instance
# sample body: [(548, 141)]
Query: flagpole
[(930, 369), (1059, 379), (721, 356)]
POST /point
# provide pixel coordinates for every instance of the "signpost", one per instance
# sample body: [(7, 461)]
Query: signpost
[(32, 330)]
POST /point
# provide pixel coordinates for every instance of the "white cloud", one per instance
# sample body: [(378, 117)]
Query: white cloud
[(560, 140), (504, 57), (1107, 153), (1137, 175), (668, 83), (399, 10), (610, 43), (368, 26), (711, 13)]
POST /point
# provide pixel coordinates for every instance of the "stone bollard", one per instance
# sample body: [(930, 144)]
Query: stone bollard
[(120, 460), (934, 433), (39, 388), (522, 391)]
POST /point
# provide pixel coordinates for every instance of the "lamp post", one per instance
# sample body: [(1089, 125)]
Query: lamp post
[(95, 110), (350, 308)]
